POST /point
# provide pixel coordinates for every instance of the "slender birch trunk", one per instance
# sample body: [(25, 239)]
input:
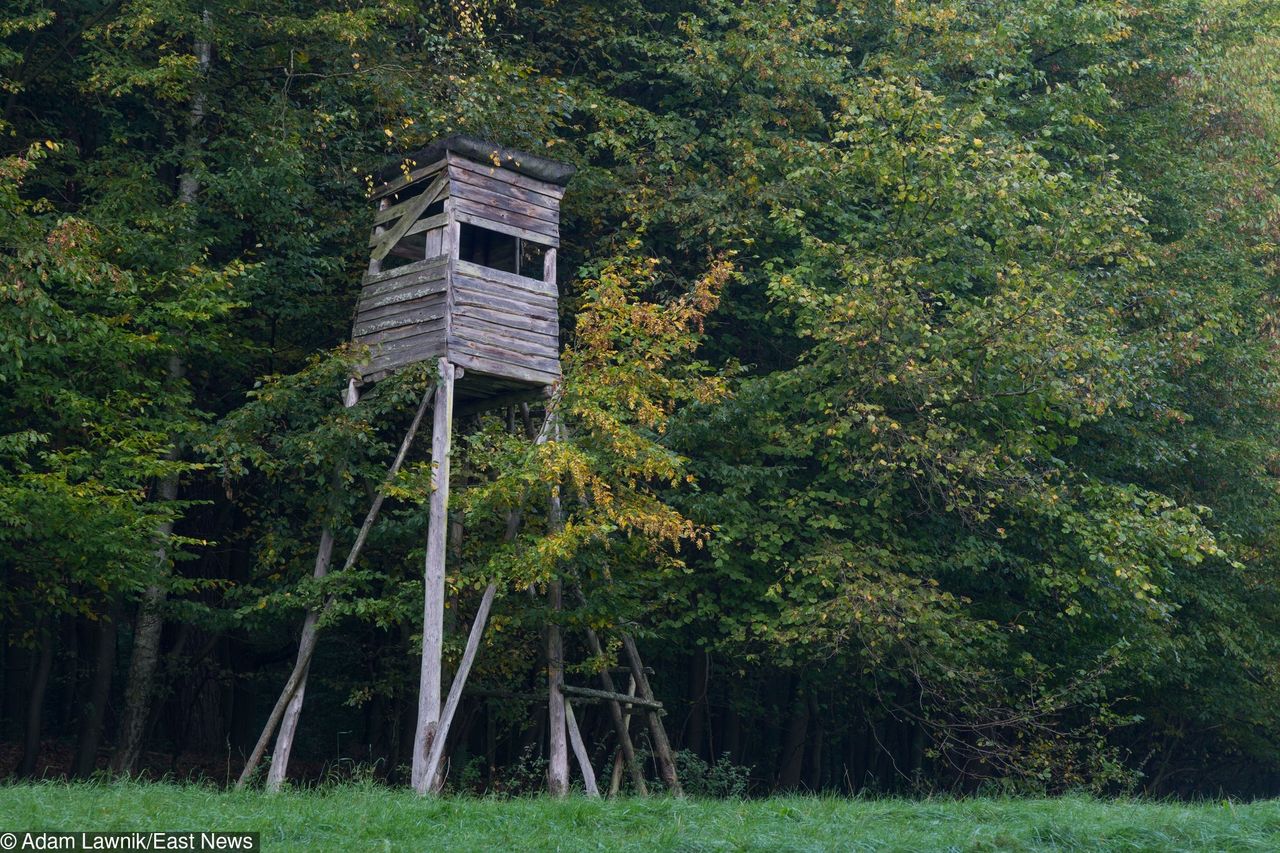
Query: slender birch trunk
[(92, 716), (146, 644), (35, 703)]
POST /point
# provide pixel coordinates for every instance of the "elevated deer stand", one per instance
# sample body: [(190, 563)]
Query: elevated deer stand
[(462, 272)]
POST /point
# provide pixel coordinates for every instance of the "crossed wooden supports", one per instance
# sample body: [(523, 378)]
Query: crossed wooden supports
[(434, 721)]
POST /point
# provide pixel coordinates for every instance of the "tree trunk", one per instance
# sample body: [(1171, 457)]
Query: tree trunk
[(791, 759), (698, 678), (150, 622), (813, 778), (731, 743), (17, 668), (142, 668), (94, 711), (35, 706), (917, 753)]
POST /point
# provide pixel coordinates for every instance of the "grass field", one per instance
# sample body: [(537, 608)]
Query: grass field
[(370, 818)]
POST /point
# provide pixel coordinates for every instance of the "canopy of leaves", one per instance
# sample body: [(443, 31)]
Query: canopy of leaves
[(919, 355)]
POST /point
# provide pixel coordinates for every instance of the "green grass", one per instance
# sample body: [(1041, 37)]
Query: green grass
[(364, 817)]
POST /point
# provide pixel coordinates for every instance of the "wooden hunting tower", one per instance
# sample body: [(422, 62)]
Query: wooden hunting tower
[(462, 272), (463, 266)]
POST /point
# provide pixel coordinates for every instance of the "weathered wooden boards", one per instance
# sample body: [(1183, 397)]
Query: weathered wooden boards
[(502, 328), (489, 322), (504, 324), (402, 316), (503, 200), (405, 215)]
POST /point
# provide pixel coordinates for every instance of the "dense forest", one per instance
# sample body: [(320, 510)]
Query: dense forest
[(920, 402)]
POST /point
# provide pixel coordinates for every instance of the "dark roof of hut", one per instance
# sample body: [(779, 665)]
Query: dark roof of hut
[(471, 147)]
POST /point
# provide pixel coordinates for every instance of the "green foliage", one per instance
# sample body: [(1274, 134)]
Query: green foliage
[(918, 353)]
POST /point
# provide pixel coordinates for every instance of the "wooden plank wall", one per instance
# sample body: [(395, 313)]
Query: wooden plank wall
[(492, 323), (402, 315), (506, 201), (504, 325)]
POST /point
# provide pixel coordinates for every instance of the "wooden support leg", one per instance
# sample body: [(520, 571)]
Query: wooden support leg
[(293, 711), (435, 761), (557, 740), (279, 769), (580, 752), (433, 581), (615, 782), (557, 745), (627, 750), (311, 627), (661, 746)]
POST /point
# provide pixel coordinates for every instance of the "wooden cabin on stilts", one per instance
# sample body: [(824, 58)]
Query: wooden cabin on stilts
[(462, 274)]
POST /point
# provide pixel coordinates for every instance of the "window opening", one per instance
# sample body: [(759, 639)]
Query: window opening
[(500, 251)]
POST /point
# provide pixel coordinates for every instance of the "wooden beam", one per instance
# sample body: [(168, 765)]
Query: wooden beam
[(580, 752), (509, 176), (615, 778), (410, 216), (498, 401), (279, 768), (621, 726), (418, 226), (612, 696), (377, 275), (307, 644), (557, 747), (501, 227), (394, 186), (433, 580), (661, 745), (523, 282), (435, 761)]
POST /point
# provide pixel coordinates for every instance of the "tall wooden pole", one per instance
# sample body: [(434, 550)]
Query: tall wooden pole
[(557, 738), (557, 741), (615, 781), (433, 580)]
